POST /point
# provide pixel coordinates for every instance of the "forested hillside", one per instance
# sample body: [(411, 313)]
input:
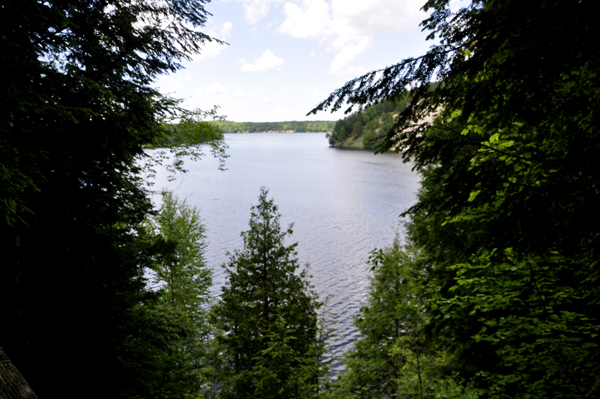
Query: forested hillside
[(273, 127), (358, 129)]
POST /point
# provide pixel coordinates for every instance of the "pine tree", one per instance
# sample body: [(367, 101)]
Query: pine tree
[(269, 313)]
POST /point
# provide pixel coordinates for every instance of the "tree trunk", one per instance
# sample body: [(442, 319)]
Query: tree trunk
[(12, 383)]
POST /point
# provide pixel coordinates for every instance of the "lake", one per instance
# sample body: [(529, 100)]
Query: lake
[(343, 203)]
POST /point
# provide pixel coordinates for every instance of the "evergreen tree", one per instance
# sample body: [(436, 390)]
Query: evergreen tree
[(184, 276), (269, 314), (372, 369), (393, 357), (506, 223), (181, 340), (79, 106)]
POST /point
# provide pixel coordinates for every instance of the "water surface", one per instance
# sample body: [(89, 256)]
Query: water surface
[(343, 203)]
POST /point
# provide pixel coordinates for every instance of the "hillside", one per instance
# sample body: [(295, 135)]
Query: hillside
[(357, 129)]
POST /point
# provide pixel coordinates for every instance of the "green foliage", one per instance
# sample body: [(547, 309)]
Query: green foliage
[(173, 346), (286, 127), (79, 107), (168, 354), (184, 276), (367, 125), (269, 314), (193, 129), (185, 140), (531, 317), (372, 370), (506, 225), (520, 279), (394, 357)]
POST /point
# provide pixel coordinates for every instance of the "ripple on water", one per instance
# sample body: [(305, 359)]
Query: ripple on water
[(343, 205)]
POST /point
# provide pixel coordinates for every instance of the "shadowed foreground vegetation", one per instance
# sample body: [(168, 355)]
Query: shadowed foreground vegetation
[(492, 291)]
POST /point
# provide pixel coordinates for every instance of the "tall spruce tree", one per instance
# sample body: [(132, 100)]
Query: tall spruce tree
[(269, 314)]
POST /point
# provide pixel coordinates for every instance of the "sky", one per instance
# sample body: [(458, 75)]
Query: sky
[(286, 56)]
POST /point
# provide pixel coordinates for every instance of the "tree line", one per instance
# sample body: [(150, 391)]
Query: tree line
[(192, 129), (286, 127)]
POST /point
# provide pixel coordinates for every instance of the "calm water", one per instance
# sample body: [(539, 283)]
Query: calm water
[(343, 204)]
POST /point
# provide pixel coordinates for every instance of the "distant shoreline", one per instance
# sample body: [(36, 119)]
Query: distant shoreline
[(275, 127), (271, 131)]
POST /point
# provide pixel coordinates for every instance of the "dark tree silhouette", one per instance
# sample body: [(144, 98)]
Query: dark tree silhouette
[(77, 109)]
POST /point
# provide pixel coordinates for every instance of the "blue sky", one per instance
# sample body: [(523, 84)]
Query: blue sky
[(285, 56)]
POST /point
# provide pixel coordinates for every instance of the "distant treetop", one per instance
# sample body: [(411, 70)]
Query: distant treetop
[(275, 127)]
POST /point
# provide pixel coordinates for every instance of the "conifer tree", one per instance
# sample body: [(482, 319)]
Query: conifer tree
[(79, 101), (172, 346), (506, 222), (269, 313), (184, 274), (394, 357)]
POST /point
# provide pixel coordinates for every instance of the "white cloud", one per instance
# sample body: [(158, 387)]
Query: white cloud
[(267, 62), (379, 16), (226, 29), (311, 21), (238, 93), (347, 27), (169, 84), (210, 50), (215, 88)]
